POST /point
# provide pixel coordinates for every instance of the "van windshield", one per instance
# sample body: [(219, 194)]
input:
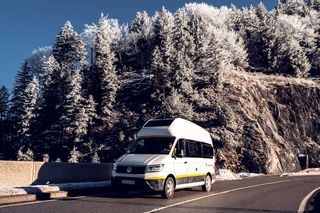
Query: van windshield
[(151, 146)]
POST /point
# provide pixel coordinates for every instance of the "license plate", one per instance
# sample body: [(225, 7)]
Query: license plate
[(128, 182)]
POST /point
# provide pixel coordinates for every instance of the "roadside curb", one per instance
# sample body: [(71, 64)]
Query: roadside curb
[(4, 200), (17, 199), (63, 191)]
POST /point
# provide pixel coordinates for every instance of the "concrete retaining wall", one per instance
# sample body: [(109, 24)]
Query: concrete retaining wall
[(24, 173)]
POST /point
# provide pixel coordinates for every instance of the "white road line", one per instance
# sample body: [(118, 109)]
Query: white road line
[(216, 194), (305, 201), (36, 202), (27, 203)]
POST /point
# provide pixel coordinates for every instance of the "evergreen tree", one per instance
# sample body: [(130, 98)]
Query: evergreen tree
[(68, 49), (4, 120), (140, 37), (225, 51), (35, 61), (291, 7), (162, 59), (107, 82), (313, 4), (88, 36), (253, 24), (73, 119), (18, 101), (47, 124), (23, 78), (4, 103), (200, 33), (26, 117), (289, 48), (24, 103), (315, 55), (62, 95), (184, 51)]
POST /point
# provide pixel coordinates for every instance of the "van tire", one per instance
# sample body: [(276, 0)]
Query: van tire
[(168, 188), (207, 184)]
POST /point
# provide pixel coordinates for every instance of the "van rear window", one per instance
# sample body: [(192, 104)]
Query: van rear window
[(153, 123)]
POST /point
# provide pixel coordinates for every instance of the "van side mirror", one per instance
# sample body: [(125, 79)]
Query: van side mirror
[(215, 150)]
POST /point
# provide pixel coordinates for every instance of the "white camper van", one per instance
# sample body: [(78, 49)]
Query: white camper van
[(168, 154)]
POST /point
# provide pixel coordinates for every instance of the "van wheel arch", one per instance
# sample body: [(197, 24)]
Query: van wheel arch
[(168, 194)]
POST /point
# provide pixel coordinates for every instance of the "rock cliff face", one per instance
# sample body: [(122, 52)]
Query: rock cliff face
[(259, 123), (262, 123)]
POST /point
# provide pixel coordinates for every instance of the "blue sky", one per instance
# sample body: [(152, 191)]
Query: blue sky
[(27, 25)]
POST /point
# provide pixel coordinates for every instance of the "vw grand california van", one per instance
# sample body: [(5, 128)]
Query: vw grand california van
[(168, 154)]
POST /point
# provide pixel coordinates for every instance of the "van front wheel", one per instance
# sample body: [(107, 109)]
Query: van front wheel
[(169, 187), (207, 184)]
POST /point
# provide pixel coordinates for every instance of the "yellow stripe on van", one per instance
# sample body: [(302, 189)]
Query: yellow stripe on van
[(155, 178), (178, 177), (190, 175)]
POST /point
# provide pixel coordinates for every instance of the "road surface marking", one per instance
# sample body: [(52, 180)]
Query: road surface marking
[(305, 201), (36, 202), (27, 203), (220, 193)]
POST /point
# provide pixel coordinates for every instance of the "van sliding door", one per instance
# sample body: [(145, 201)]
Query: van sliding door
[(195, 161), (181, 164)]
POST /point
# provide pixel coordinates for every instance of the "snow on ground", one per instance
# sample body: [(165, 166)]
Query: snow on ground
[(224, 174), (246, 175), (9, 191), (306, 172)]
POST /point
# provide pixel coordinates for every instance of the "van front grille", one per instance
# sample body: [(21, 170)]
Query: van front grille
[(133, 170)]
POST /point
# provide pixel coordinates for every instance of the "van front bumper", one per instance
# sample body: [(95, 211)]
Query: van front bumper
[(137, 183)]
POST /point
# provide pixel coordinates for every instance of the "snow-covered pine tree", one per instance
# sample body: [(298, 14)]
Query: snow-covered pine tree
[(313, 4), (176, 106), (74, 155), (4, 103), (69, 50), (315, 55), (291, 7), (35, 61), (73, 119), (88, 36), (47, 129), (90, 108), (183, 68), (26, 117), (200, 33), (161, 67), (23, 77), (62, 98), (290, 47), (140, 41), (107, 80), (29, 104), (226, 51), (4, 119)]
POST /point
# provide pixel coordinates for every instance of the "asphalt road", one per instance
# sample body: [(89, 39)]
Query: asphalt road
[(262, 194)]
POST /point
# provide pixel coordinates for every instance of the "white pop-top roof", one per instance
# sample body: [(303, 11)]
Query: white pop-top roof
[(178, 127)]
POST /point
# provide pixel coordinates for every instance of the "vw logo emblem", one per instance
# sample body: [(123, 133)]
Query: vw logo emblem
[(129, 169)]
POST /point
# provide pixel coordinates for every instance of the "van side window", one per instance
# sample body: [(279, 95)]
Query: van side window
[(180, 148), (207, 150), (193, 149)]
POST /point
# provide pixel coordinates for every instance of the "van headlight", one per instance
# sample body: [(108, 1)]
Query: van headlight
[(154, 168), (114, 168)]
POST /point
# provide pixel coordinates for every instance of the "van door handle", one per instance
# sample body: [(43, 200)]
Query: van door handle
[(185, 162)]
